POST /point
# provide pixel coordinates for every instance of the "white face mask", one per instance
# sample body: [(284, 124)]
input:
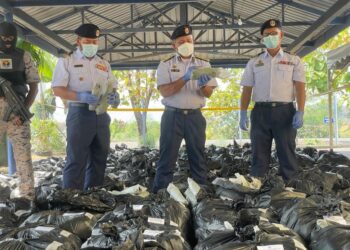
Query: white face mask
[(89, 50), (271, 42), (185, 49)]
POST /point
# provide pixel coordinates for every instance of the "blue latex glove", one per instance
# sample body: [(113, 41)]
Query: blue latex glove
[(188, 73), (113, 99), (298, 119), (87, 97), (243, 120), (203, 80)]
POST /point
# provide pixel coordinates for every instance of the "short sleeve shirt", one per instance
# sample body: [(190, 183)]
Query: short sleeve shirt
[(189, 97), (272, 78)]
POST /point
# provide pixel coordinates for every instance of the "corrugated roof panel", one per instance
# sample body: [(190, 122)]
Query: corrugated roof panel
[(111, 16)]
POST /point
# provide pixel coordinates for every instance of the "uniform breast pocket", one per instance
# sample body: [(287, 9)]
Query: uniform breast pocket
[(175, 75), (285, 72), (78, 74), (259, 73), (101, 74)]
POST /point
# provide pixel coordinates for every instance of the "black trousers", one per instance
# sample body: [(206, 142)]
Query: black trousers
[(267, 123), (175, 126), (88, 141)]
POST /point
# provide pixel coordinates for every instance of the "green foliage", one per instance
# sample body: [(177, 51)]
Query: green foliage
[(127, 132), (224, 124), (137, 88), (316, 66), (46, 137), (45, 107), (45, 61)]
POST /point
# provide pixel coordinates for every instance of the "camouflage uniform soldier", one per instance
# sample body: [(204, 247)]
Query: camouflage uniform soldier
[(18, 67)]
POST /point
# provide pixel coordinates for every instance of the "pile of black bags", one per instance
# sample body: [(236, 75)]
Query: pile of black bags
[(234, 211)]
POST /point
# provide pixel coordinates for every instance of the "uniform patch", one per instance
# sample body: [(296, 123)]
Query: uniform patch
[(101, 67), (286, 63), (81, 78), (259, 64), (6, 63), (174, 68)]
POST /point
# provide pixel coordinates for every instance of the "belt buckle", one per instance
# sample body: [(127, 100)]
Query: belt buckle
[(185, 112), (273, 104)]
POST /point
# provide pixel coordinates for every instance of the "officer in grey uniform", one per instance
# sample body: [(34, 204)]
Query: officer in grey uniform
[(88, 135), (276, 79), (18, 67), (182, 118)]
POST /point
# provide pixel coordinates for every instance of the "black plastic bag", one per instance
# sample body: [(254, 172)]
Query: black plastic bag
[(92, 200), (335, 237), (212, 215), (302, 216), (13, 244), (78, 223)]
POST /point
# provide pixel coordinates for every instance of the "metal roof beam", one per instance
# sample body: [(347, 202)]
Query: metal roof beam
[(248, 24), (302, 7), (200, 12), (36, 40), (183, 13), (169, 49), (167, 7), (105, 18), (163, 13), (261, 11), (64, 16), (42, 3), (171, 28), (325, 37), (337, 9), (226, 63), (32, 24)]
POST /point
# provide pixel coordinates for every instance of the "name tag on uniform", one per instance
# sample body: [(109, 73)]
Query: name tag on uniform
[(78, 66), (286, 63), (6, 63), (175, 70), (259, 64), (101, 67)]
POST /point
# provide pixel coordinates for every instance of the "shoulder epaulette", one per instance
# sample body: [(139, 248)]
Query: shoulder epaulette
[(100, 56), (169, 58), (290, 53), (207, 60), (262, 52)]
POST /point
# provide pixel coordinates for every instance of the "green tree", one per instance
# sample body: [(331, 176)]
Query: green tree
[(137, 89), (316, 65), (224, 124)]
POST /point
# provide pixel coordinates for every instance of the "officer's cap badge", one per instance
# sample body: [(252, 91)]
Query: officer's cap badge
[(187, 30)]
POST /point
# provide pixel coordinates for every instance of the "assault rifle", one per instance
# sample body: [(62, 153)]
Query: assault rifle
[(15, 104)]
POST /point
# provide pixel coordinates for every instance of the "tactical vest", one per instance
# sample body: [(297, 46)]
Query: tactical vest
[(12, 69)]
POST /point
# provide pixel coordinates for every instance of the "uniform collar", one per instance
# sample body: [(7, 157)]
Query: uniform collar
[(279, 54), (179, 58)]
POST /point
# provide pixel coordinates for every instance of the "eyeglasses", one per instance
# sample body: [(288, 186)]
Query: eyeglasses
[(273, 33), (7, 38)]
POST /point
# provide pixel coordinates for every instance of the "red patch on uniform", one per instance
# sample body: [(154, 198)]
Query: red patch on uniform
[(285, 62), (101, 67)]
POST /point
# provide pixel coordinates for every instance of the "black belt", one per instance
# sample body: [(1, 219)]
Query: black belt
[(78, 104), (182, 111), (271, 104)]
